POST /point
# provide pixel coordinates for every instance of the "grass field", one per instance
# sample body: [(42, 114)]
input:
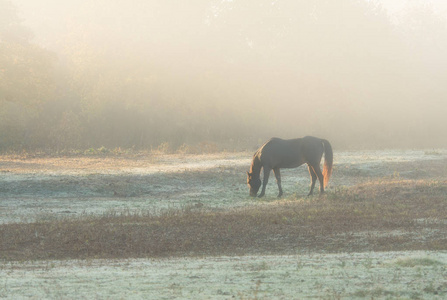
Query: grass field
[(183, 226)]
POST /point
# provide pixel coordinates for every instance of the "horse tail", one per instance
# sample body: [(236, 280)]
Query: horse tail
[(328, 160)]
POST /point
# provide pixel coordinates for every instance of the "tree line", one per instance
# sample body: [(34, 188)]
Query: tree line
[(224, 72)]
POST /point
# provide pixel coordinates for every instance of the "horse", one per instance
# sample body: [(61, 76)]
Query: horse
[(277, 153)]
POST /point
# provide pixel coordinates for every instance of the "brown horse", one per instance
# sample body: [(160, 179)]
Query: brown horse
[(278, 153)]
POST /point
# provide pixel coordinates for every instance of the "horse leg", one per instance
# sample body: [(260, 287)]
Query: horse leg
[(265, 180), (278, 180), (317, 170), (313, 175)]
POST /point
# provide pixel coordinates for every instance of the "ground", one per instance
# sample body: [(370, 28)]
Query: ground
[(42, 190)]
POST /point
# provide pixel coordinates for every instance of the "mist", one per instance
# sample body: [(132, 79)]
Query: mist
[(80, 74)]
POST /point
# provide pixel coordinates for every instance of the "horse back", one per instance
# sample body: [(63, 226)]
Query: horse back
[(279, 153), (312, 149)]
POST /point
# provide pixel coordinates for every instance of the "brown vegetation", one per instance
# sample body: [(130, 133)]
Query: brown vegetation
[(376, 216)]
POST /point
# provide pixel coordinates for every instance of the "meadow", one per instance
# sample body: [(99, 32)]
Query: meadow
[(167, 226)]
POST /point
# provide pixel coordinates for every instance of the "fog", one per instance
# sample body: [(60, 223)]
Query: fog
[(140, 73)]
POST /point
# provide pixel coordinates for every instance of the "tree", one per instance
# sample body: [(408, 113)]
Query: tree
[(25, 69), (25, 78)]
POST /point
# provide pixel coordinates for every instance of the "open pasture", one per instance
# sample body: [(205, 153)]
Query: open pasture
[(35, 189), (167, 226)]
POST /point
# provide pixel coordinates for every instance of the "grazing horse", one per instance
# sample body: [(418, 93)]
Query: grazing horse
[(278, 153)]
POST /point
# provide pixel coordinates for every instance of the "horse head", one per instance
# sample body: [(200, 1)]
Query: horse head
[(253, 184)]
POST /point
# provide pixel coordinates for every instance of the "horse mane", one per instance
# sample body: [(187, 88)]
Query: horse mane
[(256, 166)]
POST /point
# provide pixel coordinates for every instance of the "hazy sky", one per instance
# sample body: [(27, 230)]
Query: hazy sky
[(398, 5), (48, 15), (332, 68)]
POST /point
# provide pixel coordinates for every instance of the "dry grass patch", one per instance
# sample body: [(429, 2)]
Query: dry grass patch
[(418, 262), (379, 216)]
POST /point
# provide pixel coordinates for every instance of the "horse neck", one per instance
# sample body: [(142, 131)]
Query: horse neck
[(256, 166)]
